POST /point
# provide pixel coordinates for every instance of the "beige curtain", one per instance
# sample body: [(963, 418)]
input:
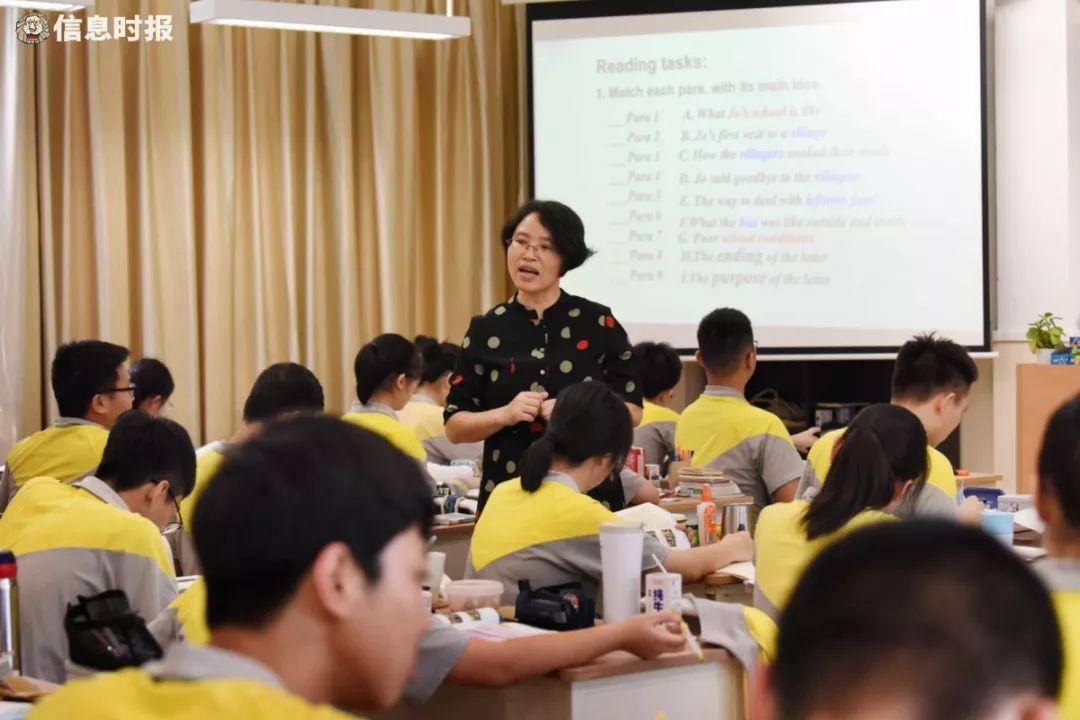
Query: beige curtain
[(241, 197)]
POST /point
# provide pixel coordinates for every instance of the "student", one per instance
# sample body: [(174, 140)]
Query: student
[(284, 387), (932, 378), (880, 460), (924, 619), (100, 533), (423, 414), (388, 370), (153, 385), (658, 368), (92, 388), (313, 564), (726, 432), (542, 527), (1058, 502)]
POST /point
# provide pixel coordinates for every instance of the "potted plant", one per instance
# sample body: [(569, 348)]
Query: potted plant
[(1044, 337)]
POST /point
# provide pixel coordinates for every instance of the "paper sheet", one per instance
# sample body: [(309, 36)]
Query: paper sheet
[(742, 570)]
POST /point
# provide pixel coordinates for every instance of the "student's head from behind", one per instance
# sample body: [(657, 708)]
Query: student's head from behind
[(1059, 475), (726, 345), (879, 461), (312, 533), (590, 431), (388, 370), (153, 385), (933, 377), (927, 620), (150, 462), (438, 360), (543, 240), (659, 368), (282, 388), (91, 381)]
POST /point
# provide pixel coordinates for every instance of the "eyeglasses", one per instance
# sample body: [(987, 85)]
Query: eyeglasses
[(130, 390), (541, 248), (178, 522)]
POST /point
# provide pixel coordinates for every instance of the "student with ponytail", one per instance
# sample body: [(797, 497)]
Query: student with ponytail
[(879, 462), (387, 371), (542, 527)]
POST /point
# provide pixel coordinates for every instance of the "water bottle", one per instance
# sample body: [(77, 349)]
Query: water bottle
[(9, 609)]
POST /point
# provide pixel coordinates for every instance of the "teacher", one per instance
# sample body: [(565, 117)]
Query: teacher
[(518, 356)]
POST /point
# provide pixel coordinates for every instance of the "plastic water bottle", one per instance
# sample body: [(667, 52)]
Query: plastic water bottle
[(9, 609)]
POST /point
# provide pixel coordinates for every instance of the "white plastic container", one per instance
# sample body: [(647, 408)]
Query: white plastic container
[(472, 594), (621, 546), (1015, 503)]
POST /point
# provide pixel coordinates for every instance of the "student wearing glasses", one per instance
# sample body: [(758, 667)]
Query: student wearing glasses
[(519, 355), (103, 532), (92, 388)]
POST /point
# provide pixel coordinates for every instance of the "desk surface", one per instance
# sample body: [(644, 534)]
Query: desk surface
[(449, 530), (683, 505), (619, 663)]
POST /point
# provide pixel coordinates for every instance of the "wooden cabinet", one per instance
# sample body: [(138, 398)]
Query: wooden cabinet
[(1040, 390)]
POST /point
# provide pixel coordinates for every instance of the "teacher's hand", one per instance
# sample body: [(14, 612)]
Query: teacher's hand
[(523, 408), (546, 408)]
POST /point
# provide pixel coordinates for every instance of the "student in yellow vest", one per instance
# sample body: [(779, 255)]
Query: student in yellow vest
[(1059, 505), (932, 378), (880, 460), (153, 385), (423, 414), (101, 533), (926, 620), (542, 527), (658, 368), (282, 388), (92, 388), (387, 374), (726, 432), (313, 564)]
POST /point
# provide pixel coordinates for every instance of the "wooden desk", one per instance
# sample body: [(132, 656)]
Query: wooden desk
[(617, 686), (689, 505), (979, 479), (454, 541)]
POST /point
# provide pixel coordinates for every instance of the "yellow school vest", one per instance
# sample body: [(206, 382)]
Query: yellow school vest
[(653, 413), (65, 452), (190, 609), (423, 418), (135, 694), (207, 462), (1067, 604), (782, 550), (398, 435), (940, 472)]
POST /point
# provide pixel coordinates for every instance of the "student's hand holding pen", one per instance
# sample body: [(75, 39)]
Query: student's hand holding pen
[(736, 547)]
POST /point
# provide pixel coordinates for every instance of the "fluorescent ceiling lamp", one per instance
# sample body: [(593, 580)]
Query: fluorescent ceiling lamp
[(325, 18), (51, 5)]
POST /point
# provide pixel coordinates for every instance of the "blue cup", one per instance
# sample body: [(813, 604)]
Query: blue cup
[(999, 524)]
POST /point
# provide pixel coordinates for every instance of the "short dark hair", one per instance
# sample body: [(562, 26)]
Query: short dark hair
[(567, 231), (658, 367), (82, 369), (883, 446), (589, 421), (1059, 460), (143, 449), (382, 360), (283, 387), (280, 498), (437, 358), (724, 337), (898, 608), (927, 365), (151, 379)]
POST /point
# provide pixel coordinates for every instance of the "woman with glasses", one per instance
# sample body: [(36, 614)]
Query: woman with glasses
[(542, 527), (518, 356), (153, 386)]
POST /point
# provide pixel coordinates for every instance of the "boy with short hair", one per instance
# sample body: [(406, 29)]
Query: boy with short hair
[(100, 533), (313, 564), (921, 619), (932, 378), (92, 388), (659, 369), (1058, 502), (724, 431)]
